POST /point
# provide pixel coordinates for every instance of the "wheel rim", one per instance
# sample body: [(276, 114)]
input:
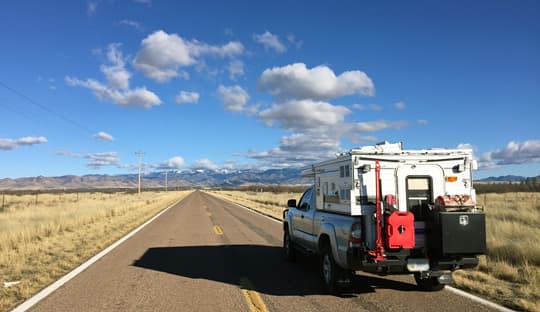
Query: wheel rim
[(326, 268)]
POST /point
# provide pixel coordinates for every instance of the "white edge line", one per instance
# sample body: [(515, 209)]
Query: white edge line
[(64, 279), (449, 288), (269, 217), (478, 299)]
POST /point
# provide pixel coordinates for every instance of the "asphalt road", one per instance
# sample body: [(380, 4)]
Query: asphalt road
[(205, 254)]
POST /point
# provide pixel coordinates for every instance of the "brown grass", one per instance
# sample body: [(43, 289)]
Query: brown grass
[(508, 274), (41, 242)]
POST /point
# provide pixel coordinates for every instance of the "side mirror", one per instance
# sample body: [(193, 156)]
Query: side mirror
[(291, 203)]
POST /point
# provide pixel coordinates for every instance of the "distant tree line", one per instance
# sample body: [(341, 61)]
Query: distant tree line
[(529, 185), (274, 188)]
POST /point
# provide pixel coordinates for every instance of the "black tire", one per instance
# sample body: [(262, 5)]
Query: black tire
[(428, 284), (288, 248), (330, 271)]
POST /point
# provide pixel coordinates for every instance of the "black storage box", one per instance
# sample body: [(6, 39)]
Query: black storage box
[(457, 233)]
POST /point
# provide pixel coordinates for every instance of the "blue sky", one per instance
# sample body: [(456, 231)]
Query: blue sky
[(243, 84)]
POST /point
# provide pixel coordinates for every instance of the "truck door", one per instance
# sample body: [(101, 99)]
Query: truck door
[(303, 218)]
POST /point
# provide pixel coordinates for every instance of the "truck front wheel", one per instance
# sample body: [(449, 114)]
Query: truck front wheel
[(428, 284)]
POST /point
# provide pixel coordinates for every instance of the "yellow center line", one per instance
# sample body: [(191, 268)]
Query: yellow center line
[(218, 230), (209, 214), (254, 300)]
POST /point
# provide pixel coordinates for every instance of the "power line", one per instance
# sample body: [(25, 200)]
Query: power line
[(139, 155), (45, 108)]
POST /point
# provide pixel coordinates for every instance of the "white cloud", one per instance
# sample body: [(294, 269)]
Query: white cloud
[(131, 23), (514, 153), (292, 39), (104, 136), (96, 160), (373, 107), (205, 164), (117, 90), (116, 73), (136, 97), (422, 122), (465, 146), (91, 7), (236, 68), (162, 54), (296, 81), (400, 105), (304, 114), (187, 97), (373, 126), (234, 98), (9, 144), (176, 162), (270, 41)]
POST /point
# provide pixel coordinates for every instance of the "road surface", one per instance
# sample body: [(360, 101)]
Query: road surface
[(206, 254)]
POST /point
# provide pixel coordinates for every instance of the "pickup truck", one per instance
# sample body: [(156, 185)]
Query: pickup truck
[(339, 241)]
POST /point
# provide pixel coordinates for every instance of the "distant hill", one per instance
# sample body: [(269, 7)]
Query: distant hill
[(187, 178), (191, 178), (506, 178)]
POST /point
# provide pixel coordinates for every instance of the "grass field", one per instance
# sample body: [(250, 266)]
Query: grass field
[(44, 237), (510, 271)]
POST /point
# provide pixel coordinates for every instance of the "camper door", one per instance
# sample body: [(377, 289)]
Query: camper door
[(418, 186)]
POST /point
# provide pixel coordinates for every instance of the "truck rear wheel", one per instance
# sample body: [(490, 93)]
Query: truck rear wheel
[(428, 284), (288, 248)]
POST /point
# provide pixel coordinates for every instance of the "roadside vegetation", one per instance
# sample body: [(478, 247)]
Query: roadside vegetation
[(44, 236), (508, 274)]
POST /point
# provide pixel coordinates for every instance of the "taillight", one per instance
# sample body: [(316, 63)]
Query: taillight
[(356, 233)]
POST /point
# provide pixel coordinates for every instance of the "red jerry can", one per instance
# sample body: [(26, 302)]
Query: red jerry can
[(400, 230)]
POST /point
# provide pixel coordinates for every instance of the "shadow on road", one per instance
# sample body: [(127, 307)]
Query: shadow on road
[(264, 266)]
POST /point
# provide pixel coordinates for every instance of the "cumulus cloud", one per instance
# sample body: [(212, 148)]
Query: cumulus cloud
[(373, 126), (116, 73), (117, 90), (270, 42), (136, 97), (96, 160), (205, 164), (296, 81), (162, 54), (373, 107), (104, 136), (234, 98), (185, 97), (513, 153), (400, 105), (236, 68), (303, 114), (176, 162), (10, 144)]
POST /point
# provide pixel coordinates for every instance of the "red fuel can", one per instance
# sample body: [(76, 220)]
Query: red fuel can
[(400, 230)]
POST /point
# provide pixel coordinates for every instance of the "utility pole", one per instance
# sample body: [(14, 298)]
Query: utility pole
[(166, 172), (139, 155)]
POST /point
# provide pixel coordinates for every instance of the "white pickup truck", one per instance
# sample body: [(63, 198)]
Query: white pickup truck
[(385, 210)]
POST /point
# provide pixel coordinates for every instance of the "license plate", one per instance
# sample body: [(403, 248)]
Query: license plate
[(417, 265)]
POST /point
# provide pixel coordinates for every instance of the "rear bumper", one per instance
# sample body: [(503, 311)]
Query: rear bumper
[(396, 262)]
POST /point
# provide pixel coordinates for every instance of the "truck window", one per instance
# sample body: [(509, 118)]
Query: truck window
[(305, 200), (419, 196)]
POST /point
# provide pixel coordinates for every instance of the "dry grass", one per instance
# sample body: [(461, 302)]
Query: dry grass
[(41, 242), (510, 271)]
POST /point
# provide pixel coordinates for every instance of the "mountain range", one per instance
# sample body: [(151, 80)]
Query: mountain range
[(183, 179)]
